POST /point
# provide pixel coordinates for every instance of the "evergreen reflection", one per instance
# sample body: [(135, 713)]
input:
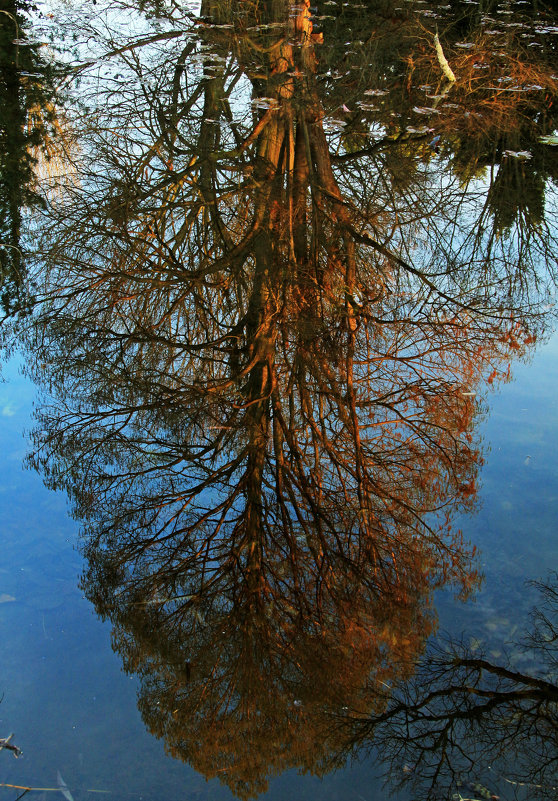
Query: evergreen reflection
[(29, 127), (265, 337)]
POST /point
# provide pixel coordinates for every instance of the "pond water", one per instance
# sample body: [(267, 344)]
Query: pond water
[(278, 485), (73, 710)]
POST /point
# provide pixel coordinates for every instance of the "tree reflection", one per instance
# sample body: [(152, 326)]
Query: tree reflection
[(28, 127), (464, 721), (264, 356), (242, 683)]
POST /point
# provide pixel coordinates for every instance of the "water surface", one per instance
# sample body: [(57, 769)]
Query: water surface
[(292, 298)]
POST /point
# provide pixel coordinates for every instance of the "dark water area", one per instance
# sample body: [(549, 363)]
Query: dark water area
[(279, 486)]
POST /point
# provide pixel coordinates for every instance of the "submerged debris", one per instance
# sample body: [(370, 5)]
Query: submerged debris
[(5, 743)]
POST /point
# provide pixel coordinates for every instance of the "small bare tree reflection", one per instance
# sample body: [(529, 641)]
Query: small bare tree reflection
[(464, 720)]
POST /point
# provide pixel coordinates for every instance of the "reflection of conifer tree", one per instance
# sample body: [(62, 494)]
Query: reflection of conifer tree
[(26, 94), (16, 170)]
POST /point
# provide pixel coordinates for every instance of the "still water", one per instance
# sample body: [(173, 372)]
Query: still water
[(280, 282), (72, 708)]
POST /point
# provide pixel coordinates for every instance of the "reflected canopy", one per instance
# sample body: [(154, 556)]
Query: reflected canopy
[(273, 300)]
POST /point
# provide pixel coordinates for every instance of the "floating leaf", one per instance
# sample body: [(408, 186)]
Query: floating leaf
[(265, 102), (517, 154), (422, 130), (331, 125), (427, 111)]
